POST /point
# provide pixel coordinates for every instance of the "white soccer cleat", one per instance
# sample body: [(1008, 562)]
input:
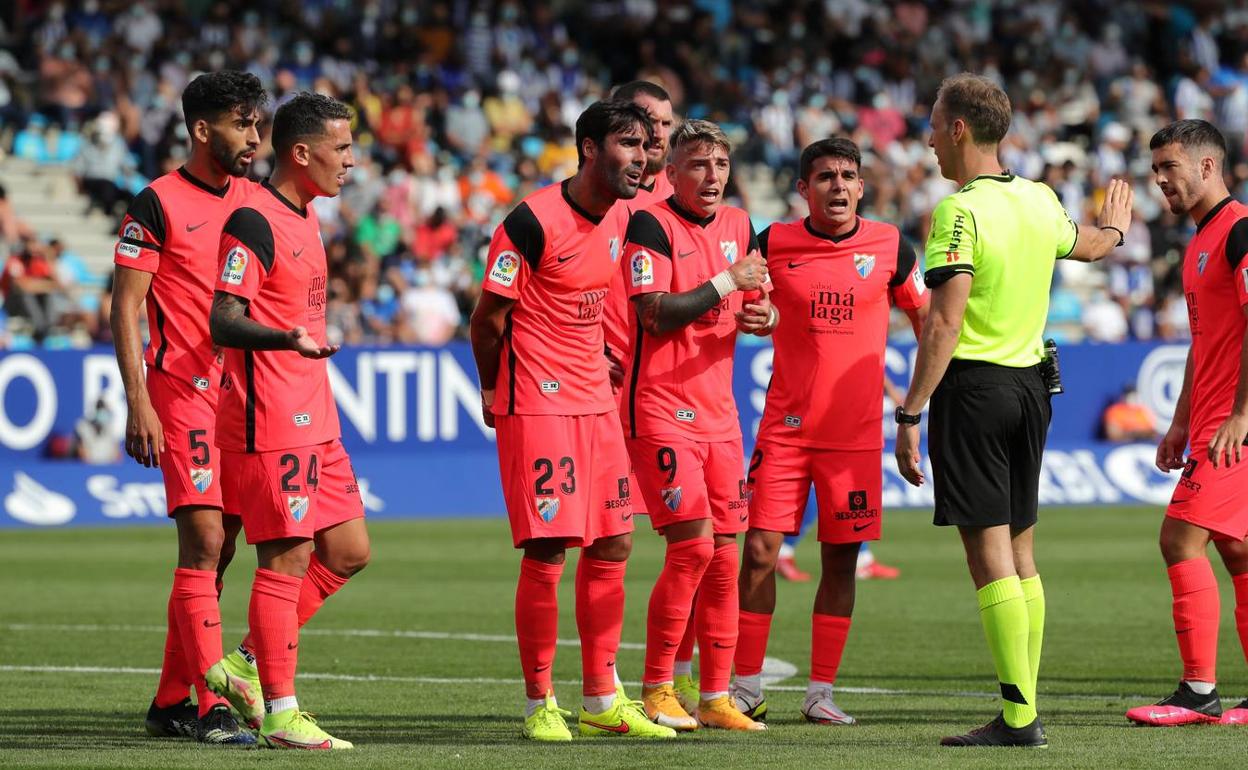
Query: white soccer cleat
[(820, 709)]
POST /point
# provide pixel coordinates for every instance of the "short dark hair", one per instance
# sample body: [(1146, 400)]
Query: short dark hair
[(834, 147), (303, 117), (603, 118), (980, 102), (629, 91), (1191, 134), (213, 94)]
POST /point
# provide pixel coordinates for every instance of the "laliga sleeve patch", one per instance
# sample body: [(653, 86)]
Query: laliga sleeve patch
[(1244, 274), (235, 266), (642, 268), (505, 268), (917, 277)]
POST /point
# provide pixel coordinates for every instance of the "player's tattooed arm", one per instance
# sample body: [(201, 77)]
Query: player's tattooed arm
[(231, 328), (661, 312)]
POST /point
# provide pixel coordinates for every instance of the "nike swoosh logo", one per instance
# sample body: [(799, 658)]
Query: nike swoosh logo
[(290, 646), (861, 527), (795, 265), (670, 643), (297, 253), (570, 256), (719, 646), (1181, 630), (621, 728), (540, 669), (193, 228), (684, 254), (625, 516), (210, 625), (1180, 502), (299, 745)]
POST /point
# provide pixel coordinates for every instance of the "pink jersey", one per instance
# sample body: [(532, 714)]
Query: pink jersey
[(681, 382), (556, 261), (834, 295), (172, 230), (271, 255), (1215, 280), (619, 322)]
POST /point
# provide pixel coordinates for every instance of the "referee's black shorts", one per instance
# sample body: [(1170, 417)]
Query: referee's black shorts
[(986, 433)]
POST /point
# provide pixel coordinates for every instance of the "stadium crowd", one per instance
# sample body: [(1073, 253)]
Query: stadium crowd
[(464, 107)]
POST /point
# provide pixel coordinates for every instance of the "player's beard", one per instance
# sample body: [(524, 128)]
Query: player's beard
[(617, 182), (225, 157), (655, 165)]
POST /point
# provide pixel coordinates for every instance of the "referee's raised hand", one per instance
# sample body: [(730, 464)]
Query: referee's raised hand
[(1115, 212)]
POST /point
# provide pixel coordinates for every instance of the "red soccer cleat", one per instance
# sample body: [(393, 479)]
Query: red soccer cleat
[(877, 571), (1183, 707), (787, 568)]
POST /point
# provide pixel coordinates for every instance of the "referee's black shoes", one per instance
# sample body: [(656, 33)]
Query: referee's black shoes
[(998, 733)]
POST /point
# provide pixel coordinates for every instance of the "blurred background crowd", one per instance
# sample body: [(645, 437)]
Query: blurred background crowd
[(465, 106)]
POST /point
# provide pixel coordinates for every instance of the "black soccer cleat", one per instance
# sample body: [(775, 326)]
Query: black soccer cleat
[(998, 733), (180, 720), (220, 727), (1182, 707)]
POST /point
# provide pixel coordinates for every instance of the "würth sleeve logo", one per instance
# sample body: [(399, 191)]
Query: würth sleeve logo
[(235, 266), (955, 238)]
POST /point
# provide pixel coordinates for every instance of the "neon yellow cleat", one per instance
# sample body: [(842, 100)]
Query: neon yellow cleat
[(547, 723), (722, 714), (295, 729), (686, 692), (625, 718), (237, 680), (663, 709)]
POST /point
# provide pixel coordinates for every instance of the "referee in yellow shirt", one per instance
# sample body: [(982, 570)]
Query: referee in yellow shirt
[(989, 264)]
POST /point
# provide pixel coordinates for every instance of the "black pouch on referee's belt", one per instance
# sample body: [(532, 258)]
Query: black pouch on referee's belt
[(1050, 371)]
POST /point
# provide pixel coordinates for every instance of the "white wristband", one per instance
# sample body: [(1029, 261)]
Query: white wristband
[(487, 396), (724, 284)]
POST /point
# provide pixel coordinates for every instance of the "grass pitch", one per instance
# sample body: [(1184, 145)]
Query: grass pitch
[(415, 662)]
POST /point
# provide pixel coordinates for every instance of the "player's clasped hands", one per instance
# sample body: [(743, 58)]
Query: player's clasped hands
[(749, 273), (755, 317), (302, 343)]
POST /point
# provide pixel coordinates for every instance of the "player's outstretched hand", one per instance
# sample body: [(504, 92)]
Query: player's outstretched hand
[(1116, 210), (1170, 449), (145, 438), (1226, 447), (755, 317), (302, 343), (908, 456), (749, 273)]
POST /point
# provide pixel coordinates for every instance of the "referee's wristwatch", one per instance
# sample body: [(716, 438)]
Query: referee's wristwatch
[(906, 419)]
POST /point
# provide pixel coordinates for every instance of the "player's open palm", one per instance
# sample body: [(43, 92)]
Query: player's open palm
[(302, 343), (1116, 210), (1170, 449), (145, 437), (749, 273)]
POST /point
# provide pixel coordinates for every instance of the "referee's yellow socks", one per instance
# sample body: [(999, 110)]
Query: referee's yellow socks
[(1033, 593), (1003, 611)]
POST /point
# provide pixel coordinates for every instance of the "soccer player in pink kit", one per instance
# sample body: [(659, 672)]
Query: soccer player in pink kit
[(538, 343), (837, 276), (1211, 416), (691, 262), (165, 259), (284, 464)]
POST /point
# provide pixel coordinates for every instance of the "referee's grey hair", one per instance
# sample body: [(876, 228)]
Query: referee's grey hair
[(695, 132), (979, 102)]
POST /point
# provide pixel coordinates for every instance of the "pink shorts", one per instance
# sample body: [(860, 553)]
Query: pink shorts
[(1215, 499), (564, 477), (190, 464), (686, 480), (291, 492), (847, 489)]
